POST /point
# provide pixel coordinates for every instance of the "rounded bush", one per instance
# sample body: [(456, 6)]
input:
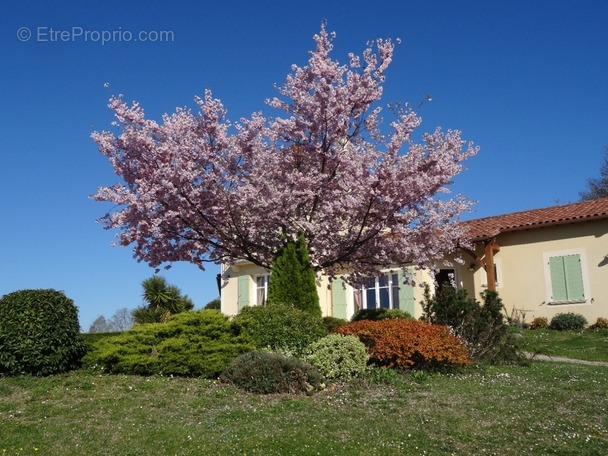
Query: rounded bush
[(409, 343), (338, 357), (267, 372), (39, 333), (568, 321), (191, 344), (539, 323), (280, 327), (380, 314)]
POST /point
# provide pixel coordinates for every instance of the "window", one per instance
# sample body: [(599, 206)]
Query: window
[(261, 289), (566, 276), (379, 293)]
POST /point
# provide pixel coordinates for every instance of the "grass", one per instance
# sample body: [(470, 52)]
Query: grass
[(586, 345), (545, 408)]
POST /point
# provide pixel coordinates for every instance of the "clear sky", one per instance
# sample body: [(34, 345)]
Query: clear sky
[(525, 80)]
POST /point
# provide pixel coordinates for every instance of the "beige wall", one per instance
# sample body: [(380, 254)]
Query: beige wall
[(230, 277), (523, 281)]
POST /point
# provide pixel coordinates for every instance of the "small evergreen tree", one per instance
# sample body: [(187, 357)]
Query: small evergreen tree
[(292, 280)]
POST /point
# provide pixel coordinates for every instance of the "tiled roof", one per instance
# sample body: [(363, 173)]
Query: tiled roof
[(485, 228)]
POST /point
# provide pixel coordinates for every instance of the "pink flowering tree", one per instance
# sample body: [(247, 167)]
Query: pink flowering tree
[(365, 194)]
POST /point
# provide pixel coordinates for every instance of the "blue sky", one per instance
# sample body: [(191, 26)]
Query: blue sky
[(527, 81)]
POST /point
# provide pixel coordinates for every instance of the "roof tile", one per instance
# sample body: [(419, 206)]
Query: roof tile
[(488, 227)]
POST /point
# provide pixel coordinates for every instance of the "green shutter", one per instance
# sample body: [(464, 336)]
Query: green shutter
[(406, 294), (338, 295), (574, 277), (558, 279), (243, 293), (566, 278)]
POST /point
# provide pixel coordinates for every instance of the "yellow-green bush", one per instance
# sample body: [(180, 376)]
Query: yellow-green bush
[(197, 343)]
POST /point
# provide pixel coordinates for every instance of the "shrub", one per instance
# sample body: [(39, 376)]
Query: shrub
[(196, 343), (333, 323), (39, 333), (380, 314), (280, 327), (568, 321), (600, 323), (539, 323), (338, 357), (267, 372), (409, 343), (482, 326), (292, 280)]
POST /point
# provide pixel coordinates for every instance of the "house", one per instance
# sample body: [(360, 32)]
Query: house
[(541, 262)]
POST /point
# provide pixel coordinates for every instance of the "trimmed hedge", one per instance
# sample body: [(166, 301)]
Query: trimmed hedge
[(196, 343), (280, 327), (39, 333), (380, 314), (409, 343)]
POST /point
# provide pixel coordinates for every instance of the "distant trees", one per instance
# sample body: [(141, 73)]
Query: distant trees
[(122, 320), (215, 303), (598, 187)]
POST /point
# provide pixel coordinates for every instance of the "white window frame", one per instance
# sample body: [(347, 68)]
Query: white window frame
[(256, 288), (391, 284), (582, 253)]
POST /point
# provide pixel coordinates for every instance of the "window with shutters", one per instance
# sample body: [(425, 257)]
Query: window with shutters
[(566, 276), (380, 292)]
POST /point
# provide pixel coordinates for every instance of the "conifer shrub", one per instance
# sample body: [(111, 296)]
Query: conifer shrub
[(39, 333), (482, 326), (333, 323), (409, 344), (280, 327), (539, 323), (292, 280), (568, 322), (196, 343), (267, 372), (338, 357), (380, 314)]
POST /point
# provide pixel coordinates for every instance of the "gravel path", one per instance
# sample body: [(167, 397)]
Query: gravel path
[(561, 359)]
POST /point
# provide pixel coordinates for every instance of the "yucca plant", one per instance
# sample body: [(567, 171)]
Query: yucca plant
[(162, 301)]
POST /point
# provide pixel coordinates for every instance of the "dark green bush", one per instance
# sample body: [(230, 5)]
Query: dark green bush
[(196, 343), (333, 323), (39, 333), (267, 372), (482, 326), (280, 327), (380, 314), (568, 321)]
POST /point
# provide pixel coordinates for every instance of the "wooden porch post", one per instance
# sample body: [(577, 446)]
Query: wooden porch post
[(491, 247)]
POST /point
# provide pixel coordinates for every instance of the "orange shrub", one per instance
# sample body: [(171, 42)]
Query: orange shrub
[(409, 343)]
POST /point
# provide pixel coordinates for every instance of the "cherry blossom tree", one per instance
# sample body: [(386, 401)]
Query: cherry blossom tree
[(365, 194)]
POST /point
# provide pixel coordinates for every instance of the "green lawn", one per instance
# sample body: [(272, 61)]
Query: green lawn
[(587, 345), (546, 408)]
